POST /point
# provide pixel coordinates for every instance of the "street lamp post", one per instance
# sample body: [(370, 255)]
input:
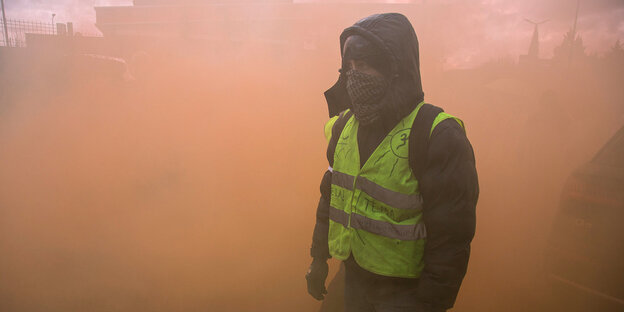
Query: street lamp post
[(4, 25), (573, 39)]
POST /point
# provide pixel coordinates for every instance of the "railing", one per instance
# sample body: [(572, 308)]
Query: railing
[(17, 30)]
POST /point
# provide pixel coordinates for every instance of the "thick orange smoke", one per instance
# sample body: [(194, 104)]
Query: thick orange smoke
[(193, 185)]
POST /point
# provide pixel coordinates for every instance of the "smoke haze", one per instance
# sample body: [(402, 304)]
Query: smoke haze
[(468, 32), (193, 184)]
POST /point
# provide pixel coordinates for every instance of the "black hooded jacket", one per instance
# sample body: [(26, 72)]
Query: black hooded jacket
[(448, 184)]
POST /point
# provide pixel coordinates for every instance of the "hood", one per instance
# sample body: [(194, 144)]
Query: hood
[(395, 36)]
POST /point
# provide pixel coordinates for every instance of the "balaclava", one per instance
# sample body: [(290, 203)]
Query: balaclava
[(365, 91)]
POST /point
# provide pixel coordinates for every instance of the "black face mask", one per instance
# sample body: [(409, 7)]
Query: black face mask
[(366, 92)]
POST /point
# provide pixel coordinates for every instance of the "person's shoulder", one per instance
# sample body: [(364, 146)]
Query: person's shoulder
[(445, 121), (446, 127), (449, 137), (444, 117), (329, 125)]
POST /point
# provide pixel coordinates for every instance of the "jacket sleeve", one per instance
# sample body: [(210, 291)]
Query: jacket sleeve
[(450, 189), (320, 247)]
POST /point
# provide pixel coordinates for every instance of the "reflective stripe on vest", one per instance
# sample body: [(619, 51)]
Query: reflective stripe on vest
[(376, 210), (389, 197), (397, 231)]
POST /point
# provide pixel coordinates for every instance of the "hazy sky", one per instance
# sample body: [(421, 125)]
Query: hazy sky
[(496, 24)]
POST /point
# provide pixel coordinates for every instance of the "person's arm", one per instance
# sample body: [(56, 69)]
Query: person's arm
[(320, 248), (450, 190), (318, 270)]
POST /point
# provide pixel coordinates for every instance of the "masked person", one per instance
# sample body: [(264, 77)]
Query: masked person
[(398, 201)]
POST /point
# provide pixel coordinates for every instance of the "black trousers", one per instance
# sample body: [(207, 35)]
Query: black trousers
[(369, 292)]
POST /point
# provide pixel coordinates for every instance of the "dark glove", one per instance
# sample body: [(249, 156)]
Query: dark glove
[(316, 276)]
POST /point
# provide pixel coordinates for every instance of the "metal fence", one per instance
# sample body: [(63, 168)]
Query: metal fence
[(17, 30)]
